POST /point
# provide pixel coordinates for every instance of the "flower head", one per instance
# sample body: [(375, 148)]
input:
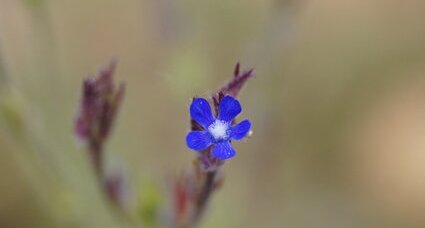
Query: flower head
[(216, 132)]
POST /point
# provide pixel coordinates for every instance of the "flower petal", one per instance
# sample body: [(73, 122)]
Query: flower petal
[(198, 140), (229, 108), (200, 111), (240, 130), (223, 151)]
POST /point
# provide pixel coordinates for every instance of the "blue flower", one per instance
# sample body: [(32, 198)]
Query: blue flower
[(218, 132)]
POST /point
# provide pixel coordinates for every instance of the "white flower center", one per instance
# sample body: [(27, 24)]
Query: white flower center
[(219, 129)]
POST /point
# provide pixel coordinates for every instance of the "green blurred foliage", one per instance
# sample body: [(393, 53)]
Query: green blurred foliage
[(336, 106), (150, 203)]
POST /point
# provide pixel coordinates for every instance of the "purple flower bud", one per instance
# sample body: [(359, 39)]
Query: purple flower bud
[(234, 86), (98, 107)]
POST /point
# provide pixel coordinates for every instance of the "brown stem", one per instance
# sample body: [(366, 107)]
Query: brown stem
[(204, 195), (95, 148)]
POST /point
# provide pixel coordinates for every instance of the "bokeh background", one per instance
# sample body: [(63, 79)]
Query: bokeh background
[(337, 105)]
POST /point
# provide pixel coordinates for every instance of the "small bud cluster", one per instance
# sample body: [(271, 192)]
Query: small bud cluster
[(98, 108)]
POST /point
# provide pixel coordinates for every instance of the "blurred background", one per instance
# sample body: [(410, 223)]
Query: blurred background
[(337, 105)]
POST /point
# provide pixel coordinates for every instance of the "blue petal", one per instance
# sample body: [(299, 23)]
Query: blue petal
[(223, 151), (198, 140), (240, 130), (200, 111), (228, 109)]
